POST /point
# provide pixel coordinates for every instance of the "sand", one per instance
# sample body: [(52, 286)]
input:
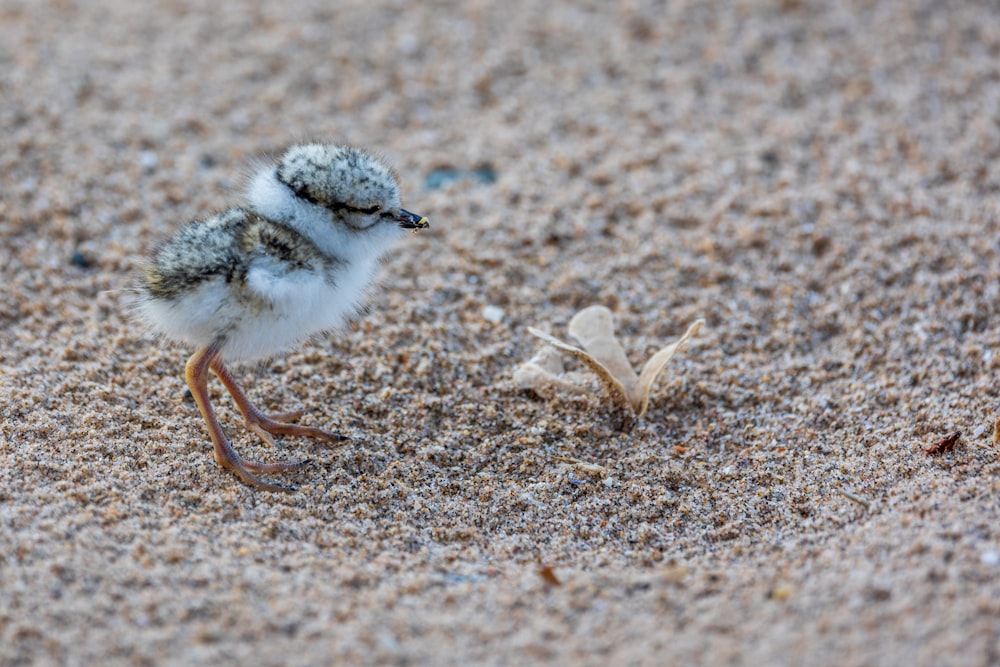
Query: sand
[(819, 181)]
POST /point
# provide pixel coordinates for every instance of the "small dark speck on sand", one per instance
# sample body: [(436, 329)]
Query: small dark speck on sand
[(442, 176), (81, 260)]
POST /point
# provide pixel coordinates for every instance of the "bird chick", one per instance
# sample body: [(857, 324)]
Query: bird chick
[(253, 281)]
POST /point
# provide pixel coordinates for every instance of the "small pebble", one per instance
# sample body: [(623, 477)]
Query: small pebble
[(438, 178), (148, 160), (493, 314), (442, 176), (79, 259)]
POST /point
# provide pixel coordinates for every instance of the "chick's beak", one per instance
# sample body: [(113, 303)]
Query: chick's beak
[(408, 220)]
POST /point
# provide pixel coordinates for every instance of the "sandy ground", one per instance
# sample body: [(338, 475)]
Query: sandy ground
[(820, 181)]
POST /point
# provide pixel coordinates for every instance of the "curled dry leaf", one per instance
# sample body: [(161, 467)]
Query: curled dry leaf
[(945, 444), (542, 374), (548, 575), (604, 355), (592, 469)]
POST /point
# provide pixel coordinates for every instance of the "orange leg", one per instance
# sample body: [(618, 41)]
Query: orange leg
[(196, 373), (262, 424)]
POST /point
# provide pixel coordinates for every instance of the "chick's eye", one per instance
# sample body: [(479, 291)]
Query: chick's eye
[(370, 210)]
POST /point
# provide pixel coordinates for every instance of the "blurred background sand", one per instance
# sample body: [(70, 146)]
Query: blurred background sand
[(819, 181)]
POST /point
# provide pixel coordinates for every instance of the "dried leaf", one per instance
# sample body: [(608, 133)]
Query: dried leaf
[(541, 375), (945, 444), (603, 354), (613, 386), (595, 330), (640, 395), (592, 469), (548, 575)]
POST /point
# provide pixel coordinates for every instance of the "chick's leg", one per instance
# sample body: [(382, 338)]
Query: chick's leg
[(262, 424), (196, 374)]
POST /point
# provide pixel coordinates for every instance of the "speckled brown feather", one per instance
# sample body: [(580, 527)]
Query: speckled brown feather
[(225, 245)]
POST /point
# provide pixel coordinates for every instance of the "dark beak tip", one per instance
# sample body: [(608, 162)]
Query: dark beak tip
[(409, 220)]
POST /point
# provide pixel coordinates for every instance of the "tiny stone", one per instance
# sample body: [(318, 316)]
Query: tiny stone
[(438, 178), (781, 593), (409, 43), (79, 259), (493, 314), (485, 174), (148, 160)]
